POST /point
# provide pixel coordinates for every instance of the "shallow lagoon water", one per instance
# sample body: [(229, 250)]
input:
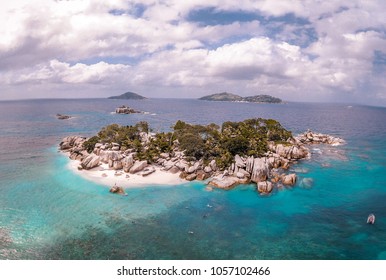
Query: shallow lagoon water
[(47, 212)]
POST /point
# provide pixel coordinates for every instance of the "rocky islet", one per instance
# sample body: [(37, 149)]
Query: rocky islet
[(267, 171)]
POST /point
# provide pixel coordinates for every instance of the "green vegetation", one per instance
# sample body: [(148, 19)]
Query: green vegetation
[(90, 143), (128, 95), (262, 99), (246, 138), (126, 136), (224, 96)]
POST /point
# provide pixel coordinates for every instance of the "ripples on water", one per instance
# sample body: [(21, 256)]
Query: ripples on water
[(48, 213)]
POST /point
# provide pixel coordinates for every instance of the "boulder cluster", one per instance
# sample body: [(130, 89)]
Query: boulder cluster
[(310, 137), (62, 117), (268, 171), (104, 153), (126, 110), (176, 162)]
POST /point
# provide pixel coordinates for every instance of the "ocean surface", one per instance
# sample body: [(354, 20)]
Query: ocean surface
[(47, 212)]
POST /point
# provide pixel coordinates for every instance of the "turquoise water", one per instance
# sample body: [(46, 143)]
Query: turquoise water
[(47, 212)]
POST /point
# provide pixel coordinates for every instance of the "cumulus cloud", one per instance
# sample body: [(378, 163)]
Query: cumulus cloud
[(295, 49)]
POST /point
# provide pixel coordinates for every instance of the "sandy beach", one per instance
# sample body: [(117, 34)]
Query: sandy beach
[(108, 177)]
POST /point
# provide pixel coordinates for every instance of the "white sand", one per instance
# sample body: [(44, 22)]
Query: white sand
[(134, 180)]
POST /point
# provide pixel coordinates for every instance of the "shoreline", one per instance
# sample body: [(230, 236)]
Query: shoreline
[(98, 175), (111, 164)]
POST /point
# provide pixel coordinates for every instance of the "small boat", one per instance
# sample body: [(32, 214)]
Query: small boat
[(371, 219)]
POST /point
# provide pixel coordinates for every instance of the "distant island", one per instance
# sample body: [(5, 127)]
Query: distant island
[(63, 117), (225, 96), (128, 95)]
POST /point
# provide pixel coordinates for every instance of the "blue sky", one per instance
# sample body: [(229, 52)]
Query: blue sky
[(307, 50)]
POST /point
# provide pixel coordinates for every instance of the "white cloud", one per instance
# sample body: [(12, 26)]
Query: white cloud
[(80, 42), (61, 72)]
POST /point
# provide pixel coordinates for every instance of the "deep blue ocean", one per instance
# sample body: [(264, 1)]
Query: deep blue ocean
[(47, 212)]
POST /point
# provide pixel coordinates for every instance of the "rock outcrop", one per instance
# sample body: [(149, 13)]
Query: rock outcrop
[(259, 171), (126, 110), (268, 171), (224, 183), (310, 137), (63, 117), (289, 179), (118, 190), (290, 152), (138, 166), (127, 163), (264, 187), (90, 162)]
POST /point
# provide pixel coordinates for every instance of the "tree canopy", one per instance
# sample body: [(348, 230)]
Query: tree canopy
[(246, 138)]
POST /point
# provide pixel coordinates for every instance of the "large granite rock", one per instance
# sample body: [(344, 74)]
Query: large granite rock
[(148, 170), (225, 183), (239, 161), (260, 170), (264, 187), (90, 162), (117, 165), (207, 169), (125, 110), (114, 159), (310, 137), (289, 179), (127, 163), (138, 166), (63, 117), (191, 177), (72, 142), (290, 151), (118, 190), (249, 164), (174, 170), (202, 175), (213, 165)]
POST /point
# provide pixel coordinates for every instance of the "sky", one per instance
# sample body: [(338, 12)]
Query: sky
[(300, 50)]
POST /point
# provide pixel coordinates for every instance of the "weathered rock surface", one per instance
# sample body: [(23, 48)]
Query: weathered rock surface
[(138, 166), (239, 161), (260, 170), (90, 162), (225, 183), (118, 190), (202, 175), (289, 179), (148, 170), (72, 142), (289, 151), (310, 137), (63, 117), (213, 165), (127, 163), (264, 187), (174, 170), (125, 110), (266, 171), (191, 177), (208, 169)]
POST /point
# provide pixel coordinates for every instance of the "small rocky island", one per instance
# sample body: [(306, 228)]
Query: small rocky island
[(63, 117), (126, 110), (128, 95), (256, 151), (225, 96)]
